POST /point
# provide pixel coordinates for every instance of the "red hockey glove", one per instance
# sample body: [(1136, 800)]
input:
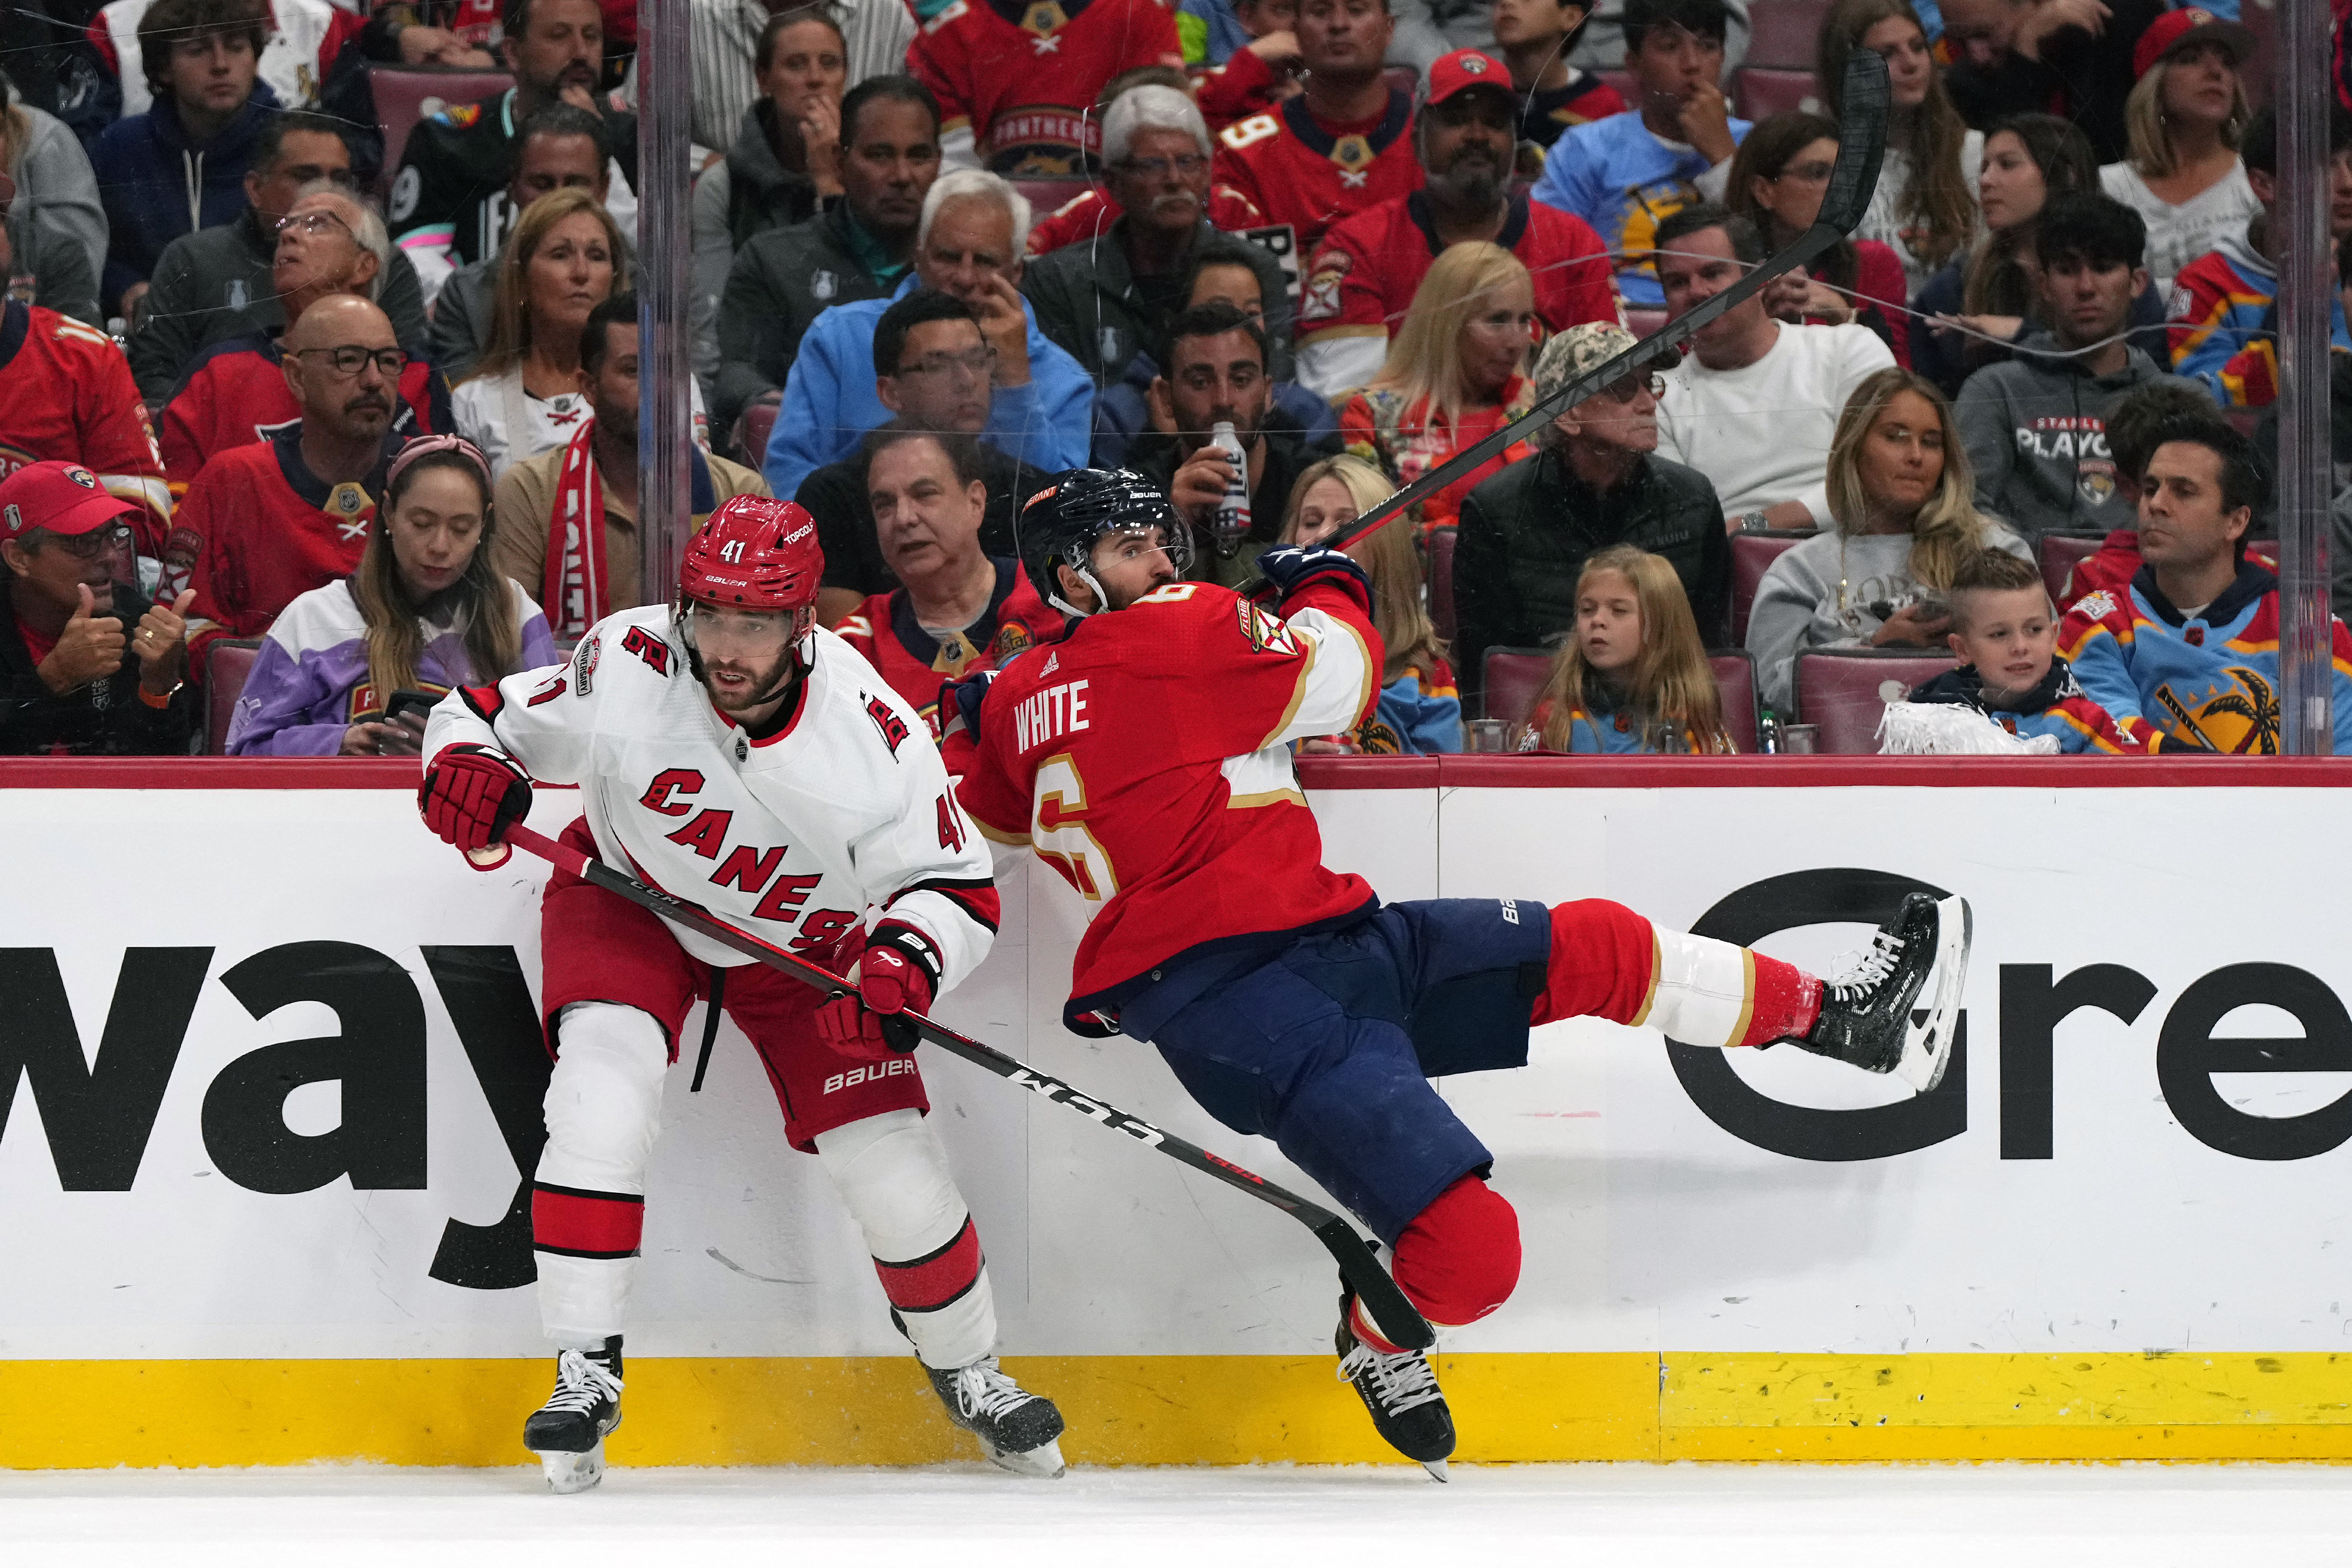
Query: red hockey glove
[(471, 795), (1293, 566), (894, 976)]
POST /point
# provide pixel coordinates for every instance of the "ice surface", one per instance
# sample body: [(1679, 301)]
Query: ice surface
[(1703, 1516)]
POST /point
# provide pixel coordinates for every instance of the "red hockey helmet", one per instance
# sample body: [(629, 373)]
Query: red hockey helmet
[(755, 552)]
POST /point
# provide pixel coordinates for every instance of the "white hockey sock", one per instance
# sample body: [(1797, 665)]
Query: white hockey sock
[(893, 1175), (1704, 992), (604, 1109)]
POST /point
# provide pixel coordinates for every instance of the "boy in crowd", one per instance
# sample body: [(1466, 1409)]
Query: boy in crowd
[(1534, 37), (2006, 637)]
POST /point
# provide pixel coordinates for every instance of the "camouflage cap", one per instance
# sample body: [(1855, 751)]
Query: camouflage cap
[(1589, 343)]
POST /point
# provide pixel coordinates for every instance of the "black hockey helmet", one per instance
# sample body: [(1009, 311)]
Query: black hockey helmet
[(1060, 524)]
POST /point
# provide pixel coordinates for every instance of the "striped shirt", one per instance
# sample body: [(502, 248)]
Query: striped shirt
[(726, 37)]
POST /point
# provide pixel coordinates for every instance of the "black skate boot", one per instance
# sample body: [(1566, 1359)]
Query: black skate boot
[(1017, 1429), (1866, 1014), (1401, 1391), (567, 1433)]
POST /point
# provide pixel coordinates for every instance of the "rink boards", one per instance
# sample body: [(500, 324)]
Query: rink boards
[(279, 1219)]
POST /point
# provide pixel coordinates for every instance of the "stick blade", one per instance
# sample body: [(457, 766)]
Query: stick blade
[(1862, 143), (1387, 1304)]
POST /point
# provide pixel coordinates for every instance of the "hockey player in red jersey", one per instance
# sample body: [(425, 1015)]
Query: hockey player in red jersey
[(1146, 755), (732, 752)]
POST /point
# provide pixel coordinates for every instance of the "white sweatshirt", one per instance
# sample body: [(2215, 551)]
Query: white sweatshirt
[(1762, 433)]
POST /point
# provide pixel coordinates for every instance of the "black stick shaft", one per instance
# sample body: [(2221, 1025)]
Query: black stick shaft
[(1396, 1316)]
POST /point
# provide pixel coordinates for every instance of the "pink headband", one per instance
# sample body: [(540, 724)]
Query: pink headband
[(432, 446)]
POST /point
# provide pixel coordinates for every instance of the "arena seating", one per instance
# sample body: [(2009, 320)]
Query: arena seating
[(1784, 33), (405, 95), (1842, 692), (1441, 580), (2059, 552), (227, 663), (1758, 92), (1751, 554), (1512, 679), (1735, 682), (752, 428)]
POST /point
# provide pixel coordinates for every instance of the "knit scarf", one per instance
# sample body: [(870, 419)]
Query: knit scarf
[(573, 595)]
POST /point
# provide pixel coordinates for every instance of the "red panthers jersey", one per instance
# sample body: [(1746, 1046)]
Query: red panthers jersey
[(67, 395), (257, 528), (236, 394), (1301, 171), (1147, 755), (917, 661), (1017, 80), (1091, 212)]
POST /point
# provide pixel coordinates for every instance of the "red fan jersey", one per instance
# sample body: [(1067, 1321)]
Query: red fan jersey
[(67, 395), (1147, 755), (1365, 274), (917, 662), (257, 528), (1301, 171), (236, 394), (1017, 80), (1091, 212)]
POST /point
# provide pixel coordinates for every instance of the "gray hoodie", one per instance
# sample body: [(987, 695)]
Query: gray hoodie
[(1827, 592), (2035, 428)]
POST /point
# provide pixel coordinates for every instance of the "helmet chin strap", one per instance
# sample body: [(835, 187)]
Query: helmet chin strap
[(1085, 575)]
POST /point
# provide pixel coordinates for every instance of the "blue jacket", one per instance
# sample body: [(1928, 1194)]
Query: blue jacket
[(157, 186), (1624, 182), (830, 403)]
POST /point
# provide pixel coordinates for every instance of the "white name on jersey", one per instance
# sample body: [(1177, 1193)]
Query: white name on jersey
[(1050, 713)]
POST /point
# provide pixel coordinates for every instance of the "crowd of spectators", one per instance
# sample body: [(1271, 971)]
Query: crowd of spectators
[(357, 393)]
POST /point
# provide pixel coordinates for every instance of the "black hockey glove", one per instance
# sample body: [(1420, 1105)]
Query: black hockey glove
[(1293, 566)]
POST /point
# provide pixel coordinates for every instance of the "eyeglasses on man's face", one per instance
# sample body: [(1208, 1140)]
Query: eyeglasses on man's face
[(313, 223), (1632, 387), (350, 358)]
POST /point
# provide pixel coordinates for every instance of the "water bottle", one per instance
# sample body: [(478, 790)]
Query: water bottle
[(1232, 521), (1767, 732)]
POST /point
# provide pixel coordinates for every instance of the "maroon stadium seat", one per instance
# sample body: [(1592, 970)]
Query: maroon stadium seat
[(752, 428), (1751, 555), (227, 663), (1784, 33), (1759, 91), (1843, 692), (2058, 553), (1514, 677), (405, 95), (1735, 683), (1441, 580)]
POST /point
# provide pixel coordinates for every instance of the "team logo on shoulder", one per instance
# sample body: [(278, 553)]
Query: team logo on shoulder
[(648, 647), (1010, 639), (894, 728), (460, 115), (1266, 633), (2098, 606), (584, 664)]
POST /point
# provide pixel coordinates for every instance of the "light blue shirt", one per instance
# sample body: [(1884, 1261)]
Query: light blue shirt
[(1618, 176), (830, 403)]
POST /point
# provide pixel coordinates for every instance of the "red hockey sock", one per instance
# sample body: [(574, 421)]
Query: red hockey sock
[(1787, 1002), (1457, 1262), (1603, 958)]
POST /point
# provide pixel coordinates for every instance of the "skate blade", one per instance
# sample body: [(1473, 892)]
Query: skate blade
[(1928, 1049), (1436, 1468), (567, 1473), (1043, 1463)]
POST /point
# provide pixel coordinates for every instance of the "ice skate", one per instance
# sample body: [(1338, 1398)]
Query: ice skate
[(568, 1432), (1017, 1429), (1401, 1391), (1866, 1014)]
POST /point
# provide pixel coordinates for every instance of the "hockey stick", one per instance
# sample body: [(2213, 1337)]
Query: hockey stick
[(1862, 146), (1387, 1304)]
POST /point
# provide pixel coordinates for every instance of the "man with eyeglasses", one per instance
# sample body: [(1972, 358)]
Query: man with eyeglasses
[(1597, 481), (275, 519), (67, 395), (1364, 275), (216, 284), (1110, 296), (236, 392), (72, 681), (937, 379)]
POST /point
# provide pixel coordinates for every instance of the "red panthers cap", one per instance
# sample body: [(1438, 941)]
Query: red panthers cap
[(2177, 30), (1463, 69), (63, 497)]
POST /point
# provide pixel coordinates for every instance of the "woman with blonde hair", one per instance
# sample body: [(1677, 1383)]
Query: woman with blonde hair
[(2185, 118), (1631, 674), (1454, 373), (1901, 497), (425, 611), (1420, 710), (564, 258), (1925, 207)]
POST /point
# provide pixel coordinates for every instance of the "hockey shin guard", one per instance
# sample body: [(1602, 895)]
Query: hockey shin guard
[(1457, 1262), (893, 1175), (604, 1109)]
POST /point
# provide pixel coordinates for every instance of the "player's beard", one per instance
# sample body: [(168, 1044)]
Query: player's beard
[(767, 683)]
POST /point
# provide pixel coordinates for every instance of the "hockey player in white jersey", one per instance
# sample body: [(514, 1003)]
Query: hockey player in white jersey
[(733, 753)]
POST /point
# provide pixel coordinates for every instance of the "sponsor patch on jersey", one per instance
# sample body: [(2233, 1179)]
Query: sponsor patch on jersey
[(2098, 606), (1266, 633), (583, 662)]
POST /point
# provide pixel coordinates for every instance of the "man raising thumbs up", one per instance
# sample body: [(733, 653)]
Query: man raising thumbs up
[(71, 680)]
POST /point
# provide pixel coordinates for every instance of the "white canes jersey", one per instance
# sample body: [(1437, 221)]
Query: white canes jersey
[(793, 838)]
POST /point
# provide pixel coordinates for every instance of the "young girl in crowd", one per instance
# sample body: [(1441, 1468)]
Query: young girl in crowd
[(1779, 177), (1454, 373), (1632, 675), (1901, 497), (1924, 208), (1420, 710), (424, 612)]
